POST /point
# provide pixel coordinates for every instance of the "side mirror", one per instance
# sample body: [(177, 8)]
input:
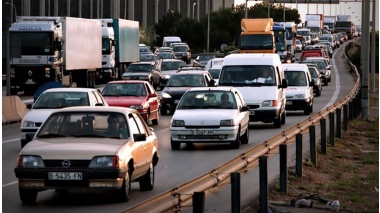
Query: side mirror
[(139, 137), (244, 109), (212, 82), (29, 106), (284, 83)]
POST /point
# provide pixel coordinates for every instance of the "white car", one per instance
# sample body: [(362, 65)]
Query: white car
[(299, 93), (89, 148), (298, 46), (52, 99), (210, 115)]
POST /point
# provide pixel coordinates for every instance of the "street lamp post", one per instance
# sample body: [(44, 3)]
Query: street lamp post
[(194, 4), (14, 7), (208, 24)]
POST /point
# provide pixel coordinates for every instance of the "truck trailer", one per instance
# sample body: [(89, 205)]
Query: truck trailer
[(330, 21), (257, 36), (62, 49), (120, 47), (344, 24), (315, 23)]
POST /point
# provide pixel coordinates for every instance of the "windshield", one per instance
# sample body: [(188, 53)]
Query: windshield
[(313, 72), (124, 89), (214, 73), (342, 24), (320, 64), (84, 124), (180, 49), (31, 43), (106, 46), (186, 81), (207, 100), (139, 68), (164, 55), (56, 100), (263, 42), (148, 57), (206, 57), (295, 78), (303, 33), (145, 50), (172, 65), (255, 75), (325, 38)]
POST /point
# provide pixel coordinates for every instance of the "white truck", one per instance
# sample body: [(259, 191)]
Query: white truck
[(120, 47), (330, 21), (62, 49), (314, 22)]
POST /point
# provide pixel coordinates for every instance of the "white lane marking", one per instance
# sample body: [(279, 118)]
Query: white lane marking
[(337, 83), (8, 141), (11, 183)]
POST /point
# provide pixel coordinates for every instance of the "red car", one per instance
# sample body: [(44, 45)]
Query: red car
[(135, 94)]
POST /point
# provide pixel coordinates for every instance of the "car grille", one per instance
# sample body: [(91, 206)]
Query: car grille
[(253, 106), (73, 163), (202, 136), (202, 127)]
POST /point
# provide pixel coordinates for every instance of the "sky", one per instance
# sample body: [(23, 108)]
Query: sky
[(343, 8)]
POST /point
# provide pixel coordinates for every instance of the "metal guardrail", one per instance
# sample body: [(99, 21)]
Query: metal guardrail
[(174, 199)]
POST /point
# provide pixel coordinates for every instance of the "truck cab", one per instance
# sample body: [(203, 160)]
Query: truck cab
[(257, 36)]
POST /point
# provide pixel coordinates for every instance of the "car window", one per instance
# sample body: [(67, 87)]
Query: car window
[(139, 68), (124, 89), (61, 99), (180, 49), (295, 78), (172, 65), (208, 100), (214, 72)]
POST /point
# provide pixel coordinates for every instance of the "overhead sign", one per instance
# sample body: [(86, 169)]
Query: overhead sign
[(306, 1)]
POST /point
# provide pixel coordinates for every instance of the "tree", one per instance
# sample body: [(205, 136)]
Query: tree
[(166, 26)]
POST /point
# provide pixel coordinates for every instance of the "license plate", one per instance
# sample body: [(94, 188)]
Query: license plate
[(203, 132), (65, 176), (289, 103), (176, 101), (252, 112), (30, 81)]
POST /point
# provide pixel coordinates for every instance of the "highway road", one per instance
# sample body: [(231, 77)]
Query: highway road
[(174, 167)]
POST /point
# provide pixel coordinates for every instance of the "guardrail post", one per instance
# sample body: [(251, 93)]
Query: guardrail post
[(284, 168), (345, 117), (235, 192), (198, 202), (332, 129), (263, 168), (351, 110), (323, 135), (338, 123), (299, 155), (313, 148)]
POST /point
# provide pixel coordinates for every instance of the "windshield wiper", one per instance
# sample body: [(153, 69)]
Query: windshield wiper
[(51, 136)]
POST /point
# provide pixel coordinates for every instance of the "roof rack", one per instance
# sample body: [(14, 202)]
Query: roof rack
[(186, 68)]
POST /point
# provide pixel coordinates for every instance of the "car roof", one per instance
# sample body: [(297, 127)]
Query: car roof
[(143, 62), (294, 67), (191, 72), (226, 89), (216, 66), (127, 81), (70, 89), (171, 60), (252, 59), (96, 109), (316, 58)]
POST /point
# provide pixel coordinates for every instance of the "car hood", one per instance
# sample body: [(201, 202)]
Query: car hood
[(38, 115), (168, 72), (135, 73), (256, 95), (125, 101), (72, 148), (206, 117), (176, 90), (292, 90)]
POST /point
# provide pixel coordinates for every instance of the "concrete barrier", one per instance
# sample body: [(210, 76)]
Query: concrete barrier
[(14, 109)]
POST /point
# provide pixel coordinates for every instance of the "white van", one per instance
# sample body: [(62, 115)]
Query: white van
[(260, 78), (299, 94), (170, 39)]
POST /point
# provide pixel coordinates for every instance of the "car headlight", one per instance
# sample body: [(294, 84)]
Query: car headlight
[(178, 123), (105, 161), (136, 107), (229, 122), (165, 95), (28, 124), (166, 76), (30, 161), (299, 96), (269, 103)]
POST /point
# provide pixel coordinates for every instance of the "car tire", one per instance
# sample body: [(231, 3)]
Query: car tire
[(236, 143), (155, 121), (163, 111), (245, 138), (147, 118), (318, 93), (326, 83), (277, 122), (28, 196), (175, 145), (306, 111), (283, 118), (330, 79), (122, 195), (147, 181), (311, 108)]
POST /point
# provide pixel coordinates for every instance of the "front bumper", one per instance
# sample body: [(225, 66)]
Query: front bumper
[(297, 104), (168, 104), (265, 116), (27, 134), (204, 135), (32, 178)]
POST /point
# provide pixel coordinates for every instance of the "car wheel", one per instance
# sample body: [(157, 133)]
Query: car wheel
[(147, 181), (330, 79), (283, 117), (147, 118), (163, 111), (122, 194), (236, 143), (318, 93), (155, 121), (311, 107), (306, 111), (175, 145), (277, 122), (245, 138), (326, 82), (28, 196)]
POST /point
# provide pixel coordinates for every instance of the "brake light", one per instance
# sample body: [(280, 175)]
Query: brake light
[(275, 103), (116, 162)]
